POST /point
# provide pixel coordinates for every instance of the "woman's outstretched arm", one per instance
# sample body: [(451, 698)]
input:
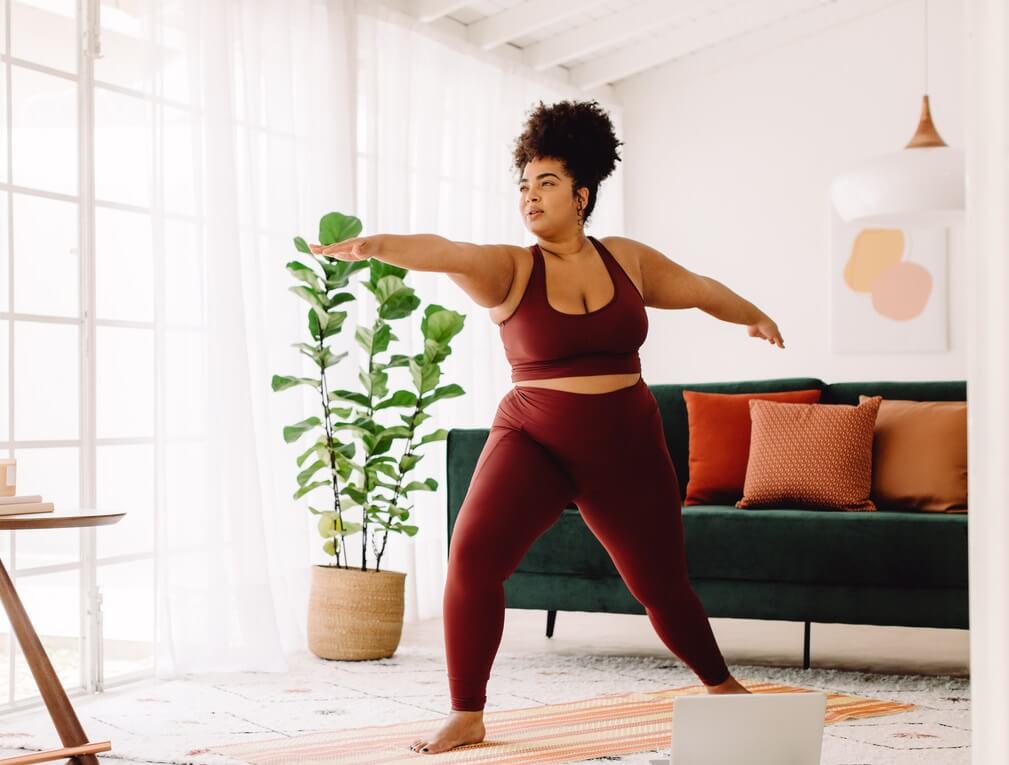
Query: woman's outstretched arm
[(483, 271), (669, 285)]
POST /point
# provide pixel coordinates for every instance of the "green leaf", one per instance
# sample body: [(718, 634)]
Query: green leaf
[(388, 468), (351, 528), (408, 461), (314, 299), (355, 493), (425, 377), (327, 524), (310, 295), (330, 359), (340, 297), (336, 227), (329, 547), (302, 246), (364, 429), (398, 306), (305, 489), (445, 391), (379, 269), (399, 398), (300, 271), (439, 435), (325, 325), (283, 383), (441, 324), (349, 395), (293, 432), (394, 431), (428, 484), (319, 446), (311, 470)]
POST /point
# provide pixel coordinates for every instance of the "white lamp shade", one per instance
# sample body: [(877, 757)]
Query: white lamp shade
[(919, 187)]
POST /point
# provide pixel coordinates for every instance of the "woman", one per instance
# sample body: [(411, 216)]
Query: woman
[(580, 424)]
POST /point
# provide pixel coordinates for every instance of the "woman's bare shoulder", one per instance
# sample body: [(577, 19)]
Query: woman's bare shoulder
[(488, 272)]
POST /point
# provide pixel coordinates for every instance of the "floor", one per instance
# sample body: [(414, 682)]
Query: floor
[(173, 721)]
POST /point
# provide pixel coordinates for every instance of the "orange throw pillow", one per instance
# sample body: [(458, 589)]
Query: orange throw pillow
[(719, 433), (920, 456), (817, 456)]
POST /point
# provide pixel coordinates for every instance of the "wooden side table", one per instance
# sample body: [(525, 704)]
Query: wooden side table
[(75, 741)]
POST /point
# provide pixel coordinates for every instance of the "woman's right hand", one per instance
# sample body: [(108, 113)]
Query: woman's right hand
[(359, 248)]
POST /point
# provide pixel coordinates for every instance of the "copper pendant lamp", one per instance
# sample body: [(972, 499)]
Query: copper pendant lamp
[(919, 186)]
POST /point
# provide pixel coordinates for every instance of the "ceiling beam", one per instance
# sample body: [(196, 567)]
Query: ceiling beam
[(757, 42), (446, 29), (613, 29), (523, 19), (429, 10), (709, 30)]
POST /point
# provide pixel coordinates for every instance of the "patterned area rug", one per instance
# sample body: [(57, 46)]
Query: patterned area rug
[(603, 726), (176, 721)]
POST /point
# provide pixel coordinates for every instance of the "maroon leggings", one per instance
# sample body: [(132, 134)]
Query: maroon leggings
[(606, 452)]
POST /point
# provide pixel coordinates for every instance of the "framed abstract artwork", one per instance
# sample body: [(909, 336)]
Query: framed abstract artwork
[(888, 288)]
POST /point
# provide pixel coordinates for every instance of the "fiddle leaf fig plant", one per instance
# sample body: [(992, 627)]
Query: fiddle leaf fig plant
[(370, 492)]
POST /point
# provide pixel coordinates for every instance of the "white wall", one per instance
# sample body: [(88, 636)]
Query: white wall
[(728, 161)]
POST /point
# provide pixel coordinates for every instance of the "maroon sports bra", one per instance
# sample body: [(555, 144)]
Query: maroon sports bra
[(542, 342)]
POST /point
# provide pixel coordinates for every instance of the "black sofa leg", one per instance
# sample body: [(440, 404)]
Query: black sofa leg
[(805, 647), (551, 618)]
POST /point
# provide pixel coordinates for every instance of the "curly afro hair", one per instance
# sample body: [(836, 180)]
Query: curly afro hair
[(577, 133)]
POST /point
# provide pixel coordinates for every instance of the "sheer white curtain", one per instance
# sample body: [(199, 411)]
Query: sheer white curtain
[(302, 107), (265, 139), (436, 125)]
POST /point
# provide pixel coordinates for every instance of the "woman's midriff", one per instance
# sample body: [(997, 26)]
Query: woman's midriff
[(584, 384)]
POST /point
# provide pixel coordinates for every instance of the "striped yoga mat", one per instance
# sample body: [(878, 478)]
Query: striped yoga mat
[(616, 724)]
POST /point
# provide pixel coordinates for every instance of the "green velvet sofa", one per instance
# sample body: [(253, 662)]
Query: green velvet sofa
[(891, 567)]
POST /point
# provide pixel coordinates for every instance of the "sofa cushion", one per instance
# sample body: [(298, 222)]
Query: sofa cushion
[(827, 547), (810, 455), (919, 455), (885, 548), (719, 441), (674, 411)]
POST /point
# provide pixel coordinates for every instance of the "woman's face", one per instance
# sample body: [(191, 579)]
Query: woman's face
[(546, 187)]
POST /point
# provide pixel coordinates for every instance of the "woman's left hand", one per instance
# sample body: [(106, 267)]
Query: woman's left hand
[(766, 329)]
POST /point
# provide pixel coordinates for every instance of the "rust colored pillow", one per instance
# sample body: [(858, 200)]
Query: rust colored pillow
[(719, 433), (920, 456), (817, 456)]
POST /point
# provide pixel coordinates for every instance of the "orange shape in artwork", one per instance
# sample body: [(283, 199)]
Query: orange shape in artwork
[(873, 252)]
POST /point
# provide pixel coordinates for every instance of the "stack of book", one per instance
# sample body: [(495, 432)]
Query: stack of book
[(28, 503)]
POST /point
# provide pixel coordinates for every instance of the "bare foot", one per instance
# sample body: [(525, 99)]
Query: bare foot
[(729, 686), (460, 728)]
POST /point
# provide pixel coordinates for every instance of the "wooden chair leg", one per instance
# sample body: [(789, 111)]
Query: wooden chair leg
[(68, 727), (551, 619)]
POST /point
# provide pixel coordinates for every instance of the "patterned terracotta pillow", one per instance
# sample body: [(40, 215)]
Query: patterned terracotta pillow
[(817, 456), (719, 441)]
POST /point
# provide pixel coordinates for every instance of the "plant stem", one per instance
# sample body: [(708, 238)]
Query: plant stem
[(399, 480), (329, 451)]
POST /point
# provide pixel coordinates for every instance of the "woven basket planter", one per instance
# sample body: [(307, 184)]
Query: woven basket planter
[(354, 614)]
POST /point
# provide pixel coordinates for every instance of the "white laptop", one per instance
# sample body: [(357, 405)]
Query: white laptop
[(751, 728)]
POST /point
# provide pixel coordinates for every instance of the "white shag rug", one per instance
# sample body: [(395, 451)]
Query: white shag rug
[(172, 721)]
